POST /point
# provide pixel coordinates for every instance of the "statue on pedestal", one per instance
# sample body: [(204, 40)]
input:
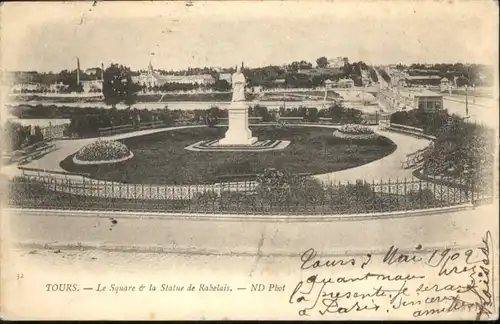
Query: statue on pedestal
[(238, 132)]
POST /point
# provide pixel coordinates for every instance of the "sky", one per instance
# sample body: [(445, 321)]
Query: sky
[(49, 36)]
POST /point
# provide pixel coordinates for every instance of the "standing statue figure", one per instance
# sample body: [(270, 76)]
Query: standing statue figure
[(238, 132), (239, 83)]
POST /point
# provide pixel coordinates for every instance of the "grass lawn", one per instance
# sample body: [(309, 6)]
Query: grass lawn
[(161, 158)]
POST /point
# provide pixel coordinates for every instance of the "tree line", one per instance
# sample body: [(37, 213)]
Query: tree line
[(19, 136), (86, 121), (461, 148)]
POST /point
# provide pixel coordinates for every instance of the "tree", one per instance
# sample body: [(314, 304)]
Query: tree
[(221, 85), (16, 134), (212, 116), (167, 116), (37, 136), (373, 75), (69, 79), (322, 62), (261, 111), (118, 86), (131, 90), (312, 114), (305, 65), (462, 81)]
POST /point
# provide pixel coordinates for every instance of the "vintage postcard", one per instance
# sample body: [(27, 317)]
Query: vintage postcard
[(323, 160)]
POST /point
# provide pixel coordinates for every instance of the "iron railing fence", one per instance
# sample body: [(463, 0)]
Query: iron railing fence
[(303, 196)]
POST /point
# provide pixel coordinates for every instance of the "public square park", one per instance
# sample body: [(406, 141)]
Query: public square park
[(251, 159), (161, 158), (332, 136)]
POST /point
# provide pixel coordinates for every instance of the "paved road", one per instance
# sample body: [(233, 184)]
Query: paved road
[(485, 112), (237, 254), (182, 235)]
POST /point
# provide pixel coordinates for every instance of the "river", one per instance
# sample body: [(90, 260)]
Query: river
[(194, 105), (182, 105)]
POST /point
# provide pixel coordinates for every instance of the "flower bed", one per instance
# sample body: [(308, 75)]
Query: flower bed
[(102, 151), (354, 129)]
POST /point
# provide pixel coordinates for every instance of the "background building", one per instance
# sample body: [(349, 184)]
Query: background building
[(428, 101), (337, 62), (424, 80), (226, 77), (330, 84), (154, 79), (92, 85), (346, 83)]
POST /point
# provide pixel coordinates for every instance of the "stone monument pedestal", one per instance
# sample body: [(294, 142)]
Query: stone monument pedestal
[(238, 132)]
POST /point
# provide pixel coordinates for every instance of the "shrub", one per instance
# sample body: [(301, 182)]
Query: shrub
[(205, 198), (273, 185), (22, 188), (351, 195), (280, 188), (461, 150), (421, 198), (306, 190), (431, 123)]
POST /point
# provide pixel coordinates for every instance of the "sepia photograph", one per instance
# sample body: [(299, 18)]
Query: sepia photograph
[(249, 160)]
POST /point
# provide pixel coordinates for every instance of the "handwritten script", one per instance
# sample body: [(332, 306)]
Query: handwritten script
[(423, 283)]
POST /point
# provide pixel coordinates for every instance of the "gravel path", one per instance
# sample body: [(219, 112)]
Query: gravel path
[(387, 167)]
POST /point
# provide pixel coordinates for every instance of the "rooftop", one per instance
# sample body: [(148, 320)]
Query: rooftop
[(423, 77), (427, 93)]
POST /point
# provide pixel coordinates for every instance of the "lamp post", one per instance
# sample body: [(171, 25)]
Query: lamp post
[(466, 102), (474, 93), (467, 78)]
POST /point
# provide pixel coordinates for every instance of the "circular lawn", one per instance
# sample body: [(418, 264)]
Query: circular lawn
[(160, 158)]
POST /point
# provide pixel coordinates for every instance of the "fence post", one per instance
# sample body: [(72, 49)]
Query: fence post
[(434, 189), (165, 199), (104, 185), (143, 199), (83, 192), (397, 193), (454, 195), (420, 192), (374, 196), (382, 193), (406, 193), (473, 201), (389, 189), (91, 189), (150, 195), (113, 195), (55, 186), (69, 191), (190, 197), (135, 196)]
